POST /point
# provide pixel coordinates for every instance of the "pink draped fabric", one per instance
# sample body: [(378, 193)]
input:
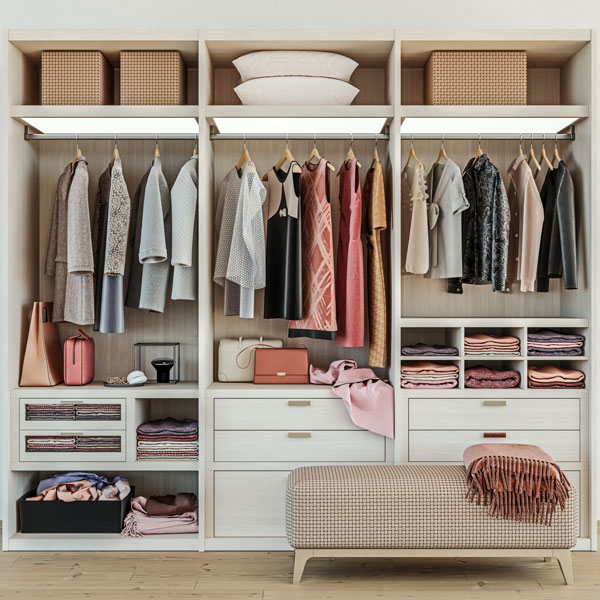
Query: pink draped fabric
[(329, 377), (139, 523)]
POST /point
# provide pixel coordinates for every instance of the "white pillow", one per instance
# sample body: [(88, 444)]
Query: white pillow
[(273, 63), (296, 90)]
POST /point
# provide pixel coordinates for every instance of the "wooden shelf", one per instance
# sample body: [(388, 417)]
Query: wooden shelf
[(530, 111), (493, 322), (81, 465), (494, 393), (96, 389)]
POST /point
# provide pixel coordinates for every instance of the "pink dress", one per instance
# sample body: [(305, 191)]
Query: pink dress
[(350, 275)]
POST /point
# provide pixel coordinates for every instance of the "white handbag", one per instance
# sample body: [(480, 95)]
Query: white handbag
[(236, 358)]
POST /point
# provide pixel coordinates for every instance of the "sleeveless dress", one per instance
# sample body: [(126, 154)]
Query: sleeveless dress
[(350, 281), (283, 293), (318, 277)]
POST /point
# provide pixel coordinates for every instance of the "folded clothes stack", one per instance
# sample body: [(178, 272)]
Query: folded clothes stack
[(162, 514), (97, 412), (553, 377), (429, 350), (75, 486), (547, 342), (49, 443), (482, 344), (485, 378), (168, 439), (98, 443), (428, 375), (49, 412)]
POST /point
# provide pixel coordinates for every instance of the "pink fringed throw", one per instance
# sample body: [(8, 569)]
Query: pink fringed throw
[(520, 482)]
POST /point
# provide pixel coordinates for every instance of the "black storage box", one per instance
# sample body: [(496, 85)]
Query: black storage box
[(56, 516)]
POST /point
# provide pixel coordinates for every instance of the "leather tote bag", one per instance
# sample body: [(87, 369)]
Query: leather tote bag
[(79, 359), (236, 358), (281, 365), (43, 361)]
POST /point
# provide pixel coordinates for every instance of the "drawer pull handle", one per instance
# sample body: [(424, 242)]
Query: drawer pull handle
[(71, 433), (494, 434), (494, 402), (299, 434), (299, 403)]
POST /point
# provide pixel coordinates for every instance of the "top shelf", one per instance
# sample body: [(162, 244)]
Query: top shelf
[(493, 322)]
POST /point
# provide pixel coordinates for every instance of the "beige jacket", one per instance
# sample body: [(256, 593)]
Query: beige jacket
[(526, 221)]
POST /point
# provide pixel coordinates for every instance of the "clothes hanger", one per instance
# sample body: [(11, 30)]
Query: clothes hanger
[(544, 157), (412, 155), (520, 144), (375, 153), (555, 154), (479, 150), (315, 154), (286, 155), (78, 154), (115, 154), (245, 156), (195, 152), (442, 154), (532, 159), (350, 154), (156, 150)]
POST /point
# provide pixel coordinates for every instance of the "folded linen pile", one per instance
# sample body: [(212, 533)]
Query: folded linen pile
[(168, 439), (483, 344), (49, 412), (554, 377), (428, 375), (77, 486), (98, 443), (547, 342), (162, 514), (97, 412), (485, 378), (49, 443), (429, 350)]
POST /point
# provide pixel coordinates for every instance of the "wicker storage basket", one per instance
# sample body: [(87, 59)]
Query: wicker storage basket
[(476, 77), (152, 77), (76, 77)]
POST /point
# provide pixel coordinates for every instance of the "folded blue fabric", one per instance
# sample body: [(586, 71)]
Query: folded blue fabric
[(98, 480)]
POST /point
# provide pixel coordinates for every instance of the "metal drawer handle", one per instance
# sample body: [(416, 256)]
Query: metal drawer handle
[(299, 434), (494, 402), (71, 433), (494, 434), (299, 402)]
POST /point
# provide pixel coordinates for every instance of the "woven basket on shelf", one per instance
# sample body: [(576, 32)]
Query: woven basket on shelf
[(152, 77), (76, 77), (476, 77)]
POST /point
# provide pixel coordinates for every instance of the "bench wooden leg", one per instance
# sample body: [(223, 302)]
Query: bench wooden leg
[(547, 559), (300, 558), (566, 566)]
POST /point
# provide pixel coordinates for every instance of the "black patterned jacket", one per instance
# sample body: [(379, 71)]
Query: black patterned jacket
[(485, 228)]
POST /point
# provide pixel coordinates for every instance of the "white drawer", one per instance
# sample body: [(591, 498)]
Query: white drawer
[(281, 413), (75, 425), (448, 446), (295, 446), (70, 456), (249, 503), (482, 413)]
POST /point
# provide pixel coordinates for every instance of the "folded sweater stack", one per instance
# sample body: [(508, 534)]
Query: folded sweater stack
[(485, 378), (553, 377), (547, 342), (429, 350), (168, 439), (428, 375), (75, 443), (482, 344)]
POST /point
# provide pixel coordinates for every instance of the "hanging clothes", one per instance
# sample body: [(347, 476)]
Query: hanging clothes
[(318, 268), (240, 262), (283, 294), (485, 228), (558, 248), (184, 199), (448, 202), (99, 229), (414, 199), (350, 294), (56, 255), (376, 223), (527, 219)]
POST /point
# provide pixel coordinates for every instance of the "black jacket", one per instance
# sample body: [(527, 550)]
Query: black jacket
[(558, 247)]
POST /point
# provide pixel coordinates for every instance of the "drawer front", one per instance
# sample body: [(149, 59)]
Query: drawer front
[(249, 503), (281, 413), (482, 413), (448, 446), (80, 453), (78, 411), (299, 446)]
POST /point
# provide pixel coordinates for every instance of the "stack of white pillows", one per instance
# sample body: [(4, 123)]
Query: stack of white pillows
[(295, 77)]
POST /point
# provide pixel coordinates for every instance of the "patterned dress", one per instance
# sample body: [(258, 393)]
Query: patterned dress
[(318, 278)]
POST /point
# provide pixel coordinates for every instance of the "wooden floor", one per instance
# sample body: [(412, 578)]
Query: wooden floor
[(267, 576)]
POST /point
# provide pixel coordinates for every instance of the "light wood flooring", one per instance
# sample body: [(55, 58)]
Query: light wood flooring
[(267, 576)]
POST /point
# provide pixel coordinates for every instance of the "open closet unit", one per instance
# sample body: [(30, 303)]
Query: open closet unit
[(252, 436)]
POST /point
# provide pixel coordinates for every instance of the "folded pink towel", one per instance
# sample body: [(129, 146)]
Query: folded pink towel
[(553, 372), (423, 367), (139, 523), (483, 338), (410, 385)]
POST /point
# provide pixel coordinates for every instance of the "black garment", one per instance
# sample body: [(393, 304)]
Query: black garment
[(99, 241), (558, 247), (283, 293), (485, 228)]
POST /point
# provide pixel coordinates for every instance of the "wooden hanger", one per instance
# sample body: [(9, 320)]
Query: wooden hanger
[(532, 159), (78, 154), (479, 150), (286, 155), (244, 157), (442, 154), (521, 144), (544, 157), (375, 153), (412, 156), (350, 154), (314, 153), (555, 155), (195, 152), (115, 154), (156, 150)]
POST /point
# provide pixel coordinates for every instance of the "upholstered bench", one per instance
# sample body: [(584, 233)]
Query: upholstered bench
[(410, 511)]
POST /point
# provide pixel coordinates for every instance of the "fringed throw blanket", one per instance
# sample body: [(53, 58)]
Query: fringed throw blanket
[(520, 482)]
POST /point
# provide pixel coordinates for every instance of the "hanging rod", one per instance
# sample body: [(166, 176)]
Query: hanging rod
[(526, 137), (108, 136), (214, 135)]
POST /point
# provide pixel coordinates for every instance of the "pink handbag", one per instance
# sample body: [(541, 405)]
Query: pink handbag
[(79, 359)]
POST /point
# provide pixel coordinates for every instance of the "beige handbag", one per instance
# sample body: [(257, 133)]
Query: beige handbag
[(236, 358), (43, 361)]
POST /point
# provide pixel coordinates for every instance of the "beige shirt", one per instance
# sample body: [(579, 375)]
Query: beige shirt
[(526, 220), (414, 204)]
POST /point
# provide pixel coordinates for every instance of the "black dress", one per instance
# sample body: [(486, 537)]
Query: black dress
[(283, 293)]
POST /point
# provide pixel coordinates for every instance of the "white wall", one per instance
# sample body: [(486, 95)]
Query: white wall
[(181, 14)]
